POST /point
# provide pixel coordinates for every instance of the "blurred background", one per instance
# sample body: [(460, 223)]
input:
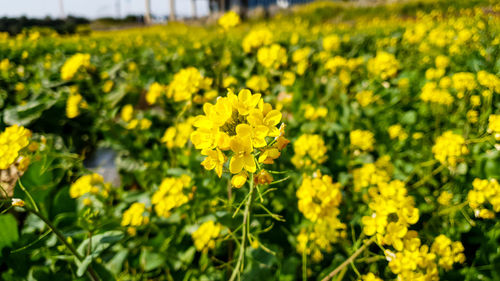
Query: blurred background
[(65, 15)]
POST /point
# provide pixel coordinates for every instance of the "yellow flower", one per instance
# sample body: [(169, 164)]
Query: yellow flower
[(242, 158), (154, 92), (204, 237), (331, 42), (463, 81), (273, 56), (257, 83), (397, 131), (91, 183), (215, 160), (310, 150), (448, 252), (186, 83), (107, 86), (73, 105), (12, 141), (178, 135), (362, 140), (239, 180), (73, 64), (135, 215), (449, 147), (127, 112), (383, 65), (494, 125), (170, 195), (432, 93), (229, 19), (366, 98), (288, 78), (318, 197), (257, 38), (445, 198)]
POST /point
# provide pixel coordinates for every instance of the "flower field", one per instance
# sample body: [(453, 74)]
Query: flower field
[(329, 142)]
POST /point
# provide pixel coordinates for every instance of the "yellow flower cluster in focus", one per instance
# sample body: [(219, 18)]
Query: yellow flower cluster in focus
[(243, 125)]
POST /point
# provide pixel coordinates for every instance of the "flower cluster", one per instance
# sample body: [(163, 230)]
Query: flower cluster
[(318, 196), (372, 173), (310, 150), (494, 125), (170, 195), (74, 103), (415, 262), (204, 237), (434, 93), (366, 98), (186, 83), (178, 135), (312, 113), (154, 92), (320, 236), (489, 80), (87, 186), (448, 252), (73, 64), (243, 126), (362, 140), (132, 121), (448, 148), (397, 131), (228, 20), (257, 38), (135, 215), (484, 192), (12, 141), (383, 65), (272, 56), (393, 212)]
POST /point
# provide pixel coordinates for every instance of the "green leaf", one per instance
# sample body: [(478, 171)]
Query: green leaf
[(150, 260), (83, 265), (8, 231), (28, 112)]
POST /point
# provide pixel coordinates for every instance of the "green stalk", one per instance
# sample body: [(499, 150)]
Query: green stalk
[(246, 219), (92, 274)]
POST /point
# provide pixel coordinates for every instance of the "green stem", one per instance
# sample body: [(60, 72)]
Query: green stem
[(29, 196), (349, 260), (92, 274), (246, 218), (304, 265)]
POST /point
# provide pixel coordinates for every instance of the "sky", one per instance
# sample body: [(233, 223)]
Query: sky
[(96, 8)]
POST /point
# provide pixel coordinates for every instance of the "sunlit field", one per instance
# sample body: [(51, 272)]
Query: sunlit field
[(329, 142)]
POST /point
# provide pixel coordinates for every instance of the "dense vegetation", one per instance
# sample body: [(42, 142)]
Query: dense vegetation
[(356, 144)]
